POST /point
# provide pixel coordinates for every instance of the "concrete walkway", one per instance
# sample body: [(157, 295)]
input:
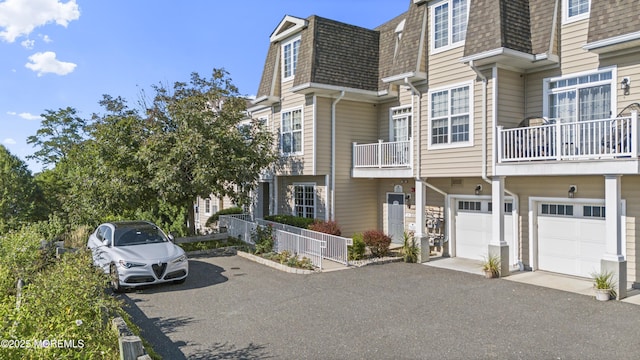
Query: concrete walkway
[(555, 281)]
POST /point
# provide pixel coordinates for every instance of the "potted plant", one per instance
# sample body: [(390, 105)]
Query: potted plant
[(603, 285), (491, 266), (409, 249)]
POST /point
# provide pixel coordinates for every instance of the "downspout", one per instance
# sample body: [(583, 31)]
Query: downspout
[(416, 128), (516, 198), (333, 155)]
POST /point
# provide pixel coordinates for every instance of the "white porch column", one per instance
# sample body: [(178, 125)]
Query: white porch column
[(613, 261), (420, 236), (497, 245)]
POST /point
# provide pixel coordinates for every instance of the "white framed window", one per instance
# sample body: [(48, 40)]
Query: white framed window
[(594, 211), (290, 51), (556, 209), (448, 24), (304, 197), (400, 123), (574, 10), (466, 205), (580, 97), (291, 132), (450, 116), (207, 206)]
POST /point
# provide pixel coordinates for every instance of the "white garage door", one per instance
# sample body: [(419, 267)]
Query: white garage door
[(571, 238), (474, 228)]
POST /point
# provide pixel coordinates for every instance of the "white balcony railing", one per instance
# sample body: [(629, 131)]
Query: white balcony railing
[(595, 139), (396, 154)]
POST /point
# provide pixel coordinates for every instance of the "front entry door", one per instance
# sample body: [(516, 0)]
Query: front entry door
[(395, 217)]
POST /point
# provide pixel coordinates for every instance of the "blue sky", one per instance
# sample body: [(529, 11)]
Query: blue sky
[(59, 53)]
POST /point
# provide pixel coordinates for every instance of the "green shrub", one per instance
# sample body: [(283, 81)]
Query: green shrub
[(23, 255), (377, 241), (327, 227), (77, 238), (263, 238), (65, 302), (296, 221), (228, 211), (357, 250)]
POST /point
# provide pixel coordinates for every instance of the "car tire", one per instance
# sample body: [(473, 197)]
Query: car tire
[(115, 279), (181, 281)]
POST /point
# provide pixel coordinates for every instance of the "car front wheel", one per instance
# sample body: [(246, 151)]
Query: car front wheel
[(115, 279)]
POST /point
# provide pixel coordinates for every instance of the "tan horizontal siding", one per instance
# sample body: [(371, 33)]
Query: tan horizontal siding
[(511, 98), (323, 135), (631, 192), (573, 57), (445, 68), (355, 198)]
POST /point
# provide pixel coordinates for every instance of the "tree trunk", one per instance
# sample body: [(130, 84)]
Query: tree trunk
[(191, 219)]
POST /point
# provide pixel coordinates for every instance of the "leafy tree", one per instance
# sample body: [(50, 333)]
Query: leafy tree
[(195, 144), (19, 193), (60, 130)]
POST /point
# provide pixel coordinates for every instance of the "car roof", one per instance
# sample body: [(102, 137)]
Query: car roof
[(132, 224)]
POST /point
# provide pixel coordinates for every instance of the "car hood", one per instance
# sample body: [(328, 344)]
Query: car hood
[(148, 252)]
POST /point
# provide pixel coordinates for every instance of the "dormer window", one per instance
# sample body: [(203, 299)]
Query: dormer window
[(449, 23), (290, 51), (399, 30), (575, 10)]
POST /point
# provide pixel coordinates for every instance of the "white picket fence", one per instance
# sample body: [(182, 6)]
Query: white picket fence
[(312, 244)]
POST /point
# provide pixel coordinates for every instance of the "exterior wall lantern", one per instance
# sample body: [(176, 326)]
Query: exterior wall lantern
[(478, 189), (572, 191), (625, 84)]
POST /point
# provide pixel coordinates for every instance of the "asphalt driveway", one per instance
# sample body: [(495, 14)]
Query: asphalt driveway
[(232, 308)]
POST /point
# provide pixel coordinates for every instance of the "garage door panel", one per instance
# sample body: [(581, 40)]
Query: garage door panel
[(560, 247), (570, 245), (472, 235), (558, 264), (474, 231)]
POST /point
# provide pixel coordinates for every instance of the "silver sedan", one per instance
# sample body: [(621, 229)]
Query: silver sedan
[(136, 253)]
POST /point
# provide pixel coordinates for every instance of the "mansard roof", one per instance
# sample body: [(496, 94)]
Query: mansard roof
[(338, 54), (508, 30), (613, 25)]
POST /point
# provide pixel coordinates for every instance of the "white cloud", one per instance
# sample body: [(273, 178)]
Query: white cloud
[(9, 141), (25, 115), (46, 62), (46, 38), (21, 17), (29, 116), (28, 44)]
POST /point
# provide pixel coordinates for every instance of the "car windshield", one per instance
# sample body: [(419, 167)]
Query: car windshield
[(138, 235)]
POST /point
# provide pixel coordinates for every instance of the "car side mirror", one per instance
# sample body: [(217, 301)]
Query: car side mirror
[(171, 238), (106, 242)]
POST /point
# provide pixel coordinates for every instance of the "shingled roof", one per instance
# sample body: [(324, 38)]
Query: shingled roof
[(521, 25), (611, 18), (339, 54)]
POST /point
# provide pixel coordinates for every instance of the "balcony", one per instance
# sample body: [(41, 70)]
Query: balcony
[(383, 159), (595, 146)]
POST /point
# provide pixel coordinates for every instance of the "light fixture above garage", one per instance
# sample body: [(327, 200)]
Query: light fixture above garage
[(572, 191), (478, 189)]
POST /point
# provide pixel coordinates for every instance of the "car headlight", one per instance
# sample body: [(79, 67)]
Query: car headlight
[(129, 264), (180, 258)]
